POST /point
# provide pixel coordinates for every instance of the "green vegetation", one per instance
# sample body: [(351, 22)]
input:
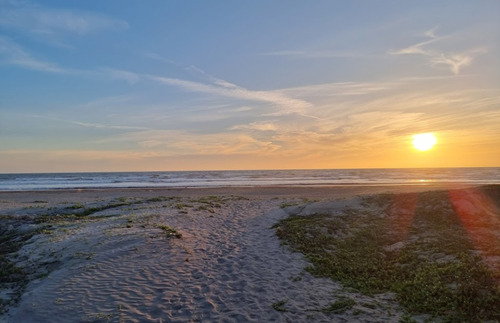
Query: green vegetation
[(279, 306), (130, 221), (157, 199), (418, 248), (181, 206), (212, 201), (11, 275), (340, 306), (303, 200), (288, 204), (170, 232), (84, 255), (76, 212), (77, 206), (45, 221)]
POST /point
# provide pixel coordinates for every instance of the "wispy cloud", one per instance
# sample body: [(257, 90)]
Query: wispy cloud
[(455, 61), (181, 142), (37, 19), (118, 74), (312, 54), (223, 88), (259, 126), (11, 53), (159, 58), (90, 124)]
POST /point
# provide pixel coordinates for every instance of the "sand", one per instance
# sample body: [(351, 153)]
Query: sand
[(118, 264)]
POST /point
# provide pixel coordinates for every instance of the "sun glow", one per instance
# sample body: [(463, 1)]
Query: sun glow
[(424, 141)]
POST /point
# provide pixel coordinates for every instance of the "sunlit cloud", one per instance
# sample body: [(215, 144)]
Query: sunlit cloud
[(454, 61), (286, 103), (180, 142), (259, 126)]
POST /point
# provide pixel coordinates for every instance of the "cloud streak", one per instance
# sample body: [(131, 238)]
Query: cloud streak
[(92, 125), (454, 61), (40, 20), (320, 54), (13, 54), (223, 88)]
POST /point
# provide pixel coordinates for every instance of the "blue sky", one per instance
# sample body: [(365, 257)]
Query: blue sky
[(174, 85)]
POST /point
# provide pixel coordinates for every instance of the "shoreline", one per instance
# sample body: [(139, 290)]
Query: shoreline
[(430, 185), (251, 178)]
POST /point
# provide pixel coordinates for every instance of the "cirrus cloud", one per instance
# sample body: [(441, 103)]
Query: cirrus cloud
[(37, 19), (454, 61)]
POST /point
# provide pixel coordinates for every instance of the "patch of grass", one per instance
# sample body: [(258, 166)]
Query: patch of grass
[(279, 306), (170, 232), (92, 210), (162, 199), (181, 206), (205, 208), (435, 268), (129, 223), (77, 206), (157, 199), (9, 272), (75, 212), (100, 317), (212, 201), (84, 255), (339, 306), (288, 204), (12, 276), (298, 277), (303, 200)]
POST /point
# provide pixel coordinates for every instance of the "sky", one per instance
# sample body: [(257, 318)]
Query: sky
[(124, 85)]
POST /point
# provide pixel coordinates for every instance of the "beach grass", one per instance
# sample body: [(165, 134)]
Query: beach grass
[(279, 305), (169, 231), (417, 247), (339, 306), (12, 276)]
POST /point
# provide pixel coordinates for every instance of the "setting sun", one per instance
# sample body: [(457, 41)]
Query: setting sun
[(424, 141)]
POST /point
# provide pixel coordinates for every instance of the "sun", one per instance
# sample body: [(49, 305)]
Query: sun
[(424, 141)]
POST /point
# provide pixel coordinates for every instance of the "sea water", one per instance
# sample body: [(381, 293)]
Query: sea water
[(46, 181)]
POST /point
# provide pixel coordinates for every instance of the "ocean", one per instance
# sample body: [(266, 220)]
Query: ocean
[(325, 177)]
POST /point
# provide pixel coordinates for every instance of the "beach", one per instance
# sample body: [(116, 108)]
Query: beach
[(177, 255)]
